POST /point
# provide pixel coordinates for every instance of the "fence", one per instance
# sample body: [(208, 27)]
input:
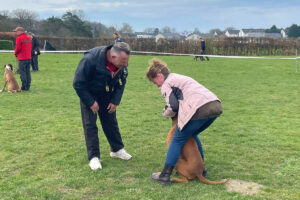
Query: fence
[(215, 46)]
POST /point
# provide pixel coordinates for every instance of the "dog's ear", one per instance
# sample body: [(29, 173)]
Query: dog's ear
[(12, 69)]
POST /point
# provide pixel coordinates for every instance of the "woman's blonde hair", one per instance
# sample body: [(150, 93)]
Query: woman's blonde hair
[(157, 66)]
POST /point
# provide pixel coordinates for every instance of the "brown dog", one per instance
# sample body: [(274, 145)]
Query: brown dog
[(190, 165), (9, 78)]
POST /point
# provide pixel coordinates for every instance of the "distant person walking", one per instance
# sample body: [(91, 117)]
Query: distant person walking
[(23, 54), (117, 38), (35, 52), (203, 48)]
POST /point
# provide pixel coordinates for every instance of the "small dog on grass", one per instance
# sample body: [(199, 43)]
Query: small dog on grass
[(10, 79), (190, 165)]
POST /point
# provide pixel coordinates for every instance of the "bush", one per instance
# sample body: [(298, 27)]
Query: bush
[(6, 45)]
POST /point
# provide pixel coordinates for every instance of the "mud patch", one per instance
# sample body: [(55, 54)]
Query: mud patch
[(243, 187)]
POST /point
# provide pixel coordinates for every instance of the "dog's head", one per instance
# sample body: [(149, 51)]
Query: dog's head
[(9, 67)]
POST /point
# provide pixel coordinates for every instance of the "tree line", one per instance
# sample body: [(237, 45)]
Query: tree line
[(73, 24), (70, 24)]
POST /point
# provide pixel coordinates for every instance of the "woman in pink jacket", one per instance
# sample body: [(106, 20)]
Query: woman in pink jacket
[(195, 106)]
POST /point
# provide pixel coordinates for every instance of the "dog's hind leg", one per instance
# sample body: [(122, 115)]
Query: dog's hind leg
[(204, 180), (183, 179)]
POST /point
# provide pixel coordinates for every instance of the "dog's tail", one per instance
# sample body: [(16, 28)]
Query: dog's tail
[(204, 180)]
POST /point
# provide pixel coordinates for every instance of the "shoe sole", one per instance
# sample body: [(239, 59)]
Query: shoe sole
[(160, 182), (112, 156), (96, 169)]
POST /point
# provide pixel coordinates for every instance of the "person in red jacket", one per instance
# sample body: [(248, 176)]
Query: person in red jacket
[(23, 54)]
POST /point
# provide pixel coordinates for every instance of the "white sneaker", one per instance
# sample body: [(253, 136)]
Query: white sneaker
[(121, 154), (95, 163)]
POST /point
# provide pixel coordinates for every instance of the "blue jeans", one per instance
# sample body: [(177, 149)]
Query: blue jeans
[(191, 129)]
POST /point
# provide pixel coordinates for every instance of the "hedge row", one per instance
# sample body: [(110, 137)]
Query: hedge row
[(6, 45), (214, 46)]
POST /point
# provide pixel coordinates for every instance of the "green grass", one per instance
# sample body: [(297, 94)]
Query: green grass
[(43, 153)]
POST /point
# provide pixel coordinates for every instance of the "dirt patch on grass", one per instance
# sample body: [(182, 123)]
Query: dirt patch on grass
[(243, 187)]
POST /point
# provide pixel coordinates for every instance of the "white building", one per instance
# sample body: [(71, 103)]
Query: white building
[(193, 37), (252, 33), (232, 33), (144, 36), (159, 36), (283, 33)]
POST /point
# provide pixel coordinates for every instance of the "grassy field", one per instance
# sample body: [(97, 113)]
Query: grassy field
[(43, 153)]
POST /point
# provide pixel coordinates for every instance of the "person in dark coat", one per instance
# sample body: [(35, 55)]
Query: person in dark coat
[(203, 48), (99, 82), (35, 52)]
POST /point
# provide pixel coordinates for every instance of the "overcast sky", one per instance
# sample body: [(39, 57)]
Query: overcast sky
[(179, 14)]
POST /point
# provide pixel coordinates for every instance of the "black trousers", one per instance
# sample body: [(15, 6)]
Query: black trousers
[(34, 63), (24, 70), (109, 125)]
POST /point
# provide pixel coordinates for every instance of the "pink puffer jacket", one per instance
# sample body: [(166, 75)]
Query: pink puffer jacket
[(184, 96)]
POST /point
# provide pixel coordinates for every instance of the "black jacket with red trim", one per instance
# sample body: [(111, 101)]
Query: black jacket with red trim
[(92, 77)]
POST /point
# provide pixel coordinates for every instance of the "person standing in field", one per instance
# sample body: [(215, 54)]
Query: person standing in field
[(23, 54), (35, 52), (99, 82), (117, 38), (203, 48), (195, 106)]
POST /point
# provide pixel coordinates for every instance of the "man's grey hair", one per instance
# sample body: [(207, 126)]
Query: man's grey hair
[(120, 46)]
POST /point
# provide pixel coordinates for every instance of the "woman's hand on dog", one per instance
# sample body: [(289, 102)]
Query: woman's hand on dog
[(95, 107), (111, 108)]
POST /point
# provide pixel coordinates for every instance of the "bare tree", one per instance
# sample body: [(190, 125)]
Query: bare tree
[(25, 18), (111, 30), (166, 29), (149, 30), (4, 14), (230, 28), (126, 29), (196, 31), (6, 23), (99, 30)]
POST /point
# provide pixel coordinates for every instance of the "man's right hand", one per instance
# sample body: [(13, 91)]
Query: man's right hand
[(95, 107)]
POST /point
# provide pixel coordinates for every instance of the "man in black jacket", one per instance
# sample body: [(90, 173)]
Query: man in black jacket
[(35, 52), (99, 81)]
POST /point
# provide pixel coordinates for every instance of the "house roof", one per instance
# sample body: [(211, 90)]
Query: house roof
[(171, 35), (142, 33), (193, 34), (273, 35), (233, 31), (251, 30)]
